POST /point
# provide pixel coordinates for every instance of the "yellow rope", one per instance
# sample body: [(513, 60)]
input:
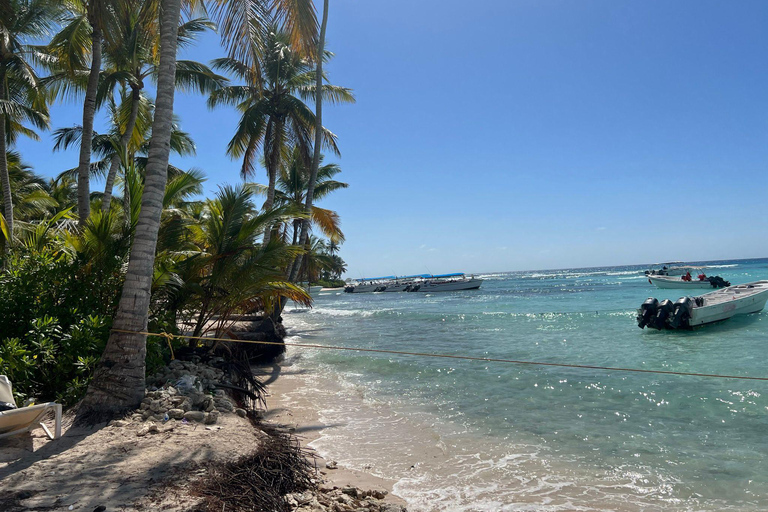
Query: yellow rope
[(448, 356)]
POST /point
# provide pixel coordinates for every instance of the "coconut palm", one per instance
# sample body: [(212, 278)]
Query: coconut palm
[(77, 49), (131, 59), (118, 383), (21, 98), (107, 147), (318, 123), (232, 271), (273, 115), (291, 189), (29, 193)]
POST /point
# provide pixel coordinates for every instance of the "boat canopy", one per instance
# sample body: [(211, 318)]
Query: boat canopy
[(376, 278), (424, 276), (458, 274)]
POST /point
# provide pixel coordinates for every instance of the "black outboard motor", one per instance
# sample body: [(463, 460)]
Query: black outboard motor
[(349, 288), (416, 288), (718, 282), (666, 307), (647, 312), (681, 317)]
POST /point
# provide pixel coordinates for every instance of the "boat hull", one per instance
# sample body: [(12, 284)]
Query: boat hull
[(451, 286), (745, 305), (366, 288), (399, 287), (676, 282)]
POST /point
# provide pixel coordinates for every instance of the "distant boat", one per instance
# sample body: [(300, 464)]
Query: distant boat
[(369, 284), (670, 268), (415, 283), (711, 307), (449, 283), (693, 278)]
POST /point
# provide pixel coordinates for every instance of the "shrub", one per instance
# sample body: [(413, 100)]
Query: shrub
[(55, 322)]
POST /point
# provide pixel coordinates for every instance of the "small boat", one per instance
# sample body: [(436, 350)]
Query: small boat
[(689, 312), (670, 268), (415, 283), (694, 278), (448, 283), (369, 284)]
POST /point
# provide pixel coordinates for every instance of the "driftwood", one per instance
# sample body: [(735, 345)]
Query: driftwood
[(258, 481)]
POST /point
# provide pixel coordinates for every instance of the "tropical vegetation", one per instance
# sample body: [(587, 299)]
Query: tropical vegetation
[(87, 273)]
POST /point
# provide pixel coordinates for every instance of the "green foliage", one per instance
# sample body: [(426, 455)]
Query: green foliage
[(330, 283), (55, 324)]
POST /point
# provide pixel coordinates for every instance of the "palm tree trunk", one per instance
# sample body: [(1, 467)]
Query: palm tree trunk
[(5, 180), (304, 239), (272, 164), (296, 224), (118, 383), (89, 111), (124, 140)]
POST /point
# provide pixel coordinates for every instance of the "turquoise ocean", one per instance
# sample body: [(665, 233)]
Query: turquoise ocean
[(468, 435)]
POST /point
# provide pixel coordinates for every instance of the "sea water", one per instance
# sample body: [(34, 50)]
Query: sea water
[(471, 435)]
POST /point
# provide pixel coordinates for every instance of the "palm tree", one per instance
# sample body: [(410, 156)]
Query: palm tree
[(78, 52), (318, 123), (21, 98), (291, 189), (232, 271), (273, 115), (118, 383), (29, 193), (131, 54)]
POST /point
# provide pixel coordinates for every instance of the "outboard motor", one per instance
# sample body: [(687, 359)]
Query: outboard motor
[(681, 317), (349, 288), (718, 282), (647, 312), (666, 307), (416, 288)]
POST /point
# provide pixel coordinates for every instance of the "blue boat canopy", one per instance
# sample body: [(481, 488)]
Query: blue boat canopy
[(450, 275), (415, 275), (376, 278)]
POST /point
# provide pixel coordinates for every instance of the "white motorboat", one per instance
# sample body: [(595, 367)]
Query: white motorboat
[(415, 283), (676, 282), (448, 283), (711, 307), (670, 268), (692, 280)]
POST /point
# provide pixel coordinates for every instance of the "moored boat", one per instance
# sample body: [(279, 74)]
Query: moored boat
[(415, 283), (688, 312), (449, 283), (700, 281)]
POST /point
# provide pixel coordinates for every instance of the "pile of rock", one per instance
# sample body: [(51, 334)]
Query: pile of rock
[(345, 499), (186, 390)]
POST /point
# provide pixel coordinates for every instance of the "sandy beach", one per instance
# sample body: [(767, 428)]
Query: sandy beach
[(286, 406), (126, 465)]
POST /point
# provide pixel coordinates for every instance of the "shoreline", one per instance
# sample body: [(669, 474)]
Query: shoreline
[(302, 419)]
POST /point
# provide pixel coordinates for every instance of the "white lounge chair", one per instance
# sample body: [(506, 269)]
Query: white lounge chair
[(24, 419)]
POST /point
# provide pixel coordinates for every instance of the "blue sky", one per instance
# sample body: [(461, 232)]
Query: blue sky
[(509, 135)]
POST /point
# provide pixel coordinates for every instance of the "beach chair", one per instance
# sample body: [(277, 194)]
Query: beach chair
[(24, 419)]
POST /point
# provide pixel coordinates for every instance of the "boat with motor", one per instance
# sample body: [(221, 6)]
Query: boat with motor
[(448, 283), (415, 283), (405, 283), (689, 312), (694, 278), (670, 268), (369, 284)]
